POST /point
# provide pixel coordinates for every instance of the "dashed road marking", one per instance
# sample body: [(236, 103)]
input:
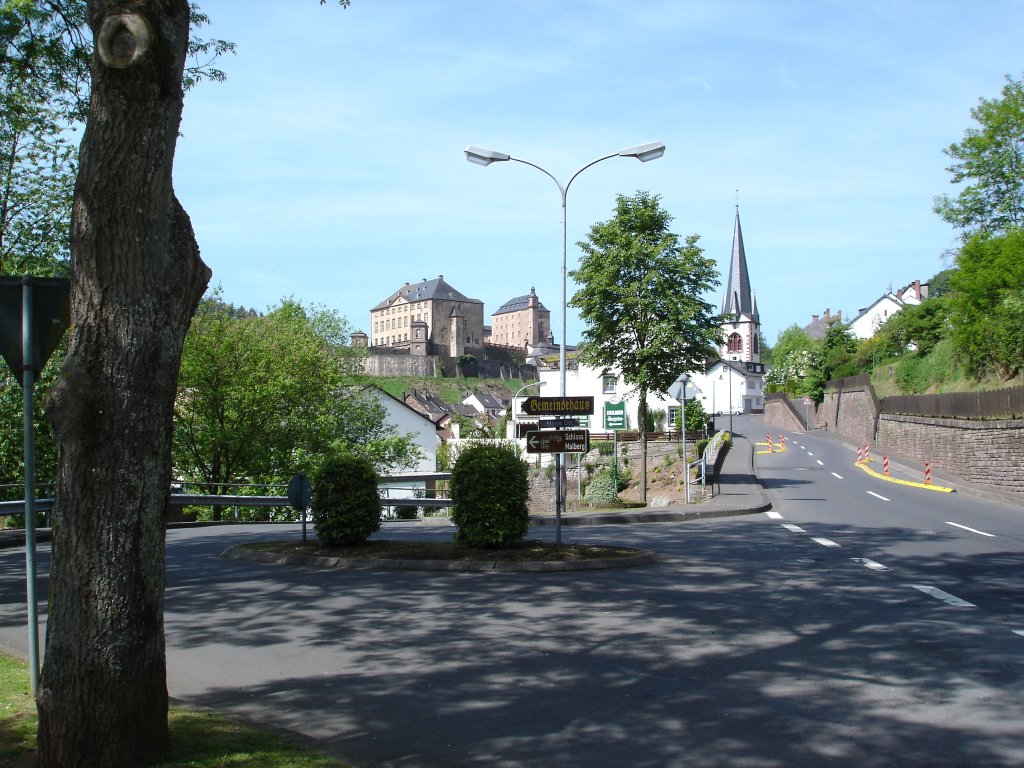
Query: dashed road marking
[(773, 515), (820, 462), (793, 528), (878, 496), (945, 597), (837, 475), (824, 542), (972, 530), (868, 563)]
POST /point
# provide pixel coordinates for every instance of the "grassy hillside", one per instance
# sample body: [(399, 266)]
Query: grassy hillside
[(938, 371), (449, 390)]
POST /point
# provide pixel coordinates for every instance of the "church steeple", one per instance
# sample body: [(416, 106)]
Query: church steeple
[(738, 296), (741, 324)]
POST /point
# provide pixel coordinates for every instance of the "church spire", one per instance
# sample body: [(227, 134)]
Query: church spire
[(738, 297)]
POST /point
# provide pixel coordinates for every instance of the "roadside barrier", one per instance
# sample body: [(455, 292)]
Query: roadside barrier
[(927, 473), (885, 466), (860, 455), (771, 447)]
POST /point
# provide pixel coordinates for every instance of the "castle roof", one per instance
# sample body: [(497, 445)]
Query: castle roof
[(520, 302), (426, 290)]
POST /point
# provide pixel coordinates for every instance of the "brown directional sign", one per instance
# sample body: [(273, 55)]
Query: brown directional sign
[(559, 406), (566, 441)]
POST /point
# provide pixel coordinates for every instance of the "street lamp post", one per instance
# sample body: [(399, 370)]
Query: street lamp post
[(515, 397), (481, 156)]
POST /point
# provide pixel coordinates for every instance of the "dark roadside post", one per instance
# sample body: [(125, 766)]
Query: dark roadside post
[(34, 314)]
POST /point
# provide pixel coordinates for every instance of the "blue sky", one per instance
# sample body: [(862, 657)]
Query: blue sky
[(329, 166)]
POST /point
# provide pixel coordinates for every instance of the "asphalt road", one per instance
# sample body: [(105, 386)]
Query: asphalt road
[(841, 628)]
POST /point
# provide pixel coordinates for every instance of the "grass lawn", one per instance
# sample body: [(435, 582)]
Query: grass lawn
[(198, 739)]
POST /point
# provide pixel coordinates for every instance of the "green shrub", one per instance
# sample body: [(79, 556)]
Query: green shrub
[(490, 490), (701, 445), (601, 489), (346, 502), (605, 448)]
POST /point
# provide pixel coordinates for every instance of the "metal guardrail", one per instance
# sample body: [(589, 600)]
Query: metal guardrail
[(217, 500)]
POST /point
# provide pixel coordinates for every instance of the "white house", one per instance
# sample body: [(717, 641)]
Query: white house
[(417, 426), (870, 318)]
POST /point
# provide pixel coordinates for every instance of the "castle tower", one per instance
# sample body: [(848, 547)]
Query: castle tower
[(741, 324)]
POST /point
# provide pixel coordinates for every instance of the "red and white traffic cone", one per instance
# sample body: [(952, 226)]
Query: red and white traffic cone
[(885, 466), (927, 473)]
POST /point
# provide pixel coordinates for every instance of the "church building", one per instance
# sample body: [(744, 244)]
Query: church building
[(741, 330)]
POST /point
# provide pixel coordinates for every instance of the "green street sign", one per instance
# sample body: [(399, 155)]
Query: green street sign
[(615, 416)]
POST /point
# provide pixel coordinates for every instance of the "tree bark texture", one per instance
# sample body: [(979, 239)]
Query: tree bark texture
[(136, 277)]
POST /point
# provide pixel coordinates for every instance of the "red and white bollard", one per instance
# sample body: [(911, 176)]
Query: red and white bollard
[(860, 455), (885, 466), (867, 453), (770, 446), (927, 473), (782, 441)]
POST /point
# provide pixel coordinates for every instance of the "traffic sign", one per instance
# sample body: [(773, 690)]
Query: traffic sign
[(547, 441), (558, 406), (560, 422), (614, 415), (808, 401)]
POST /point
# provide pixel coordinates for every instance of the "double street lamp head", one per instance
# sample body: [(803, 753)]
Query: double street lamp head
[(643, 152)]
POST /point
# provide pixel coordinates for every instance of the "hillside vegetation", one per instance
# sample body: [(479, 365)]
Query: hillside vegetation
[(449, 390)]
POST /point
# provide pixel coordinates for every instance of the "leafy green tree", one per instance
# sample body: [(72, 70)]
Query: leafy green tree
[(989, 161), (987, 305), (790, 361), (917, 327), (262, 397), (641, 297)]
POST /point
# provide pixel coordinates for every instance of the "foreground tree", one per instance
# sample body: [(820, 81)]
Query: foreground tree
[(136, 277), (641, 298), (990, 162)]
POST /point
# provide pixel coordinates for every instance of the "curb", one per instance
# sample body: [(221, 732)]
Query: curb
[(642, 557), (630, 518)]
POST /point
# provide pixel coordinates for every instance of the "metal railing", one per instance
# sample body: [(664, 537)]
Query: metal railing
[(224, 500)]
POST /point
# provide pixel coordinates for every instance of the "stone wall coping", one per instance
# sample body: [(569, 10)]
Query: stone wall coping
[(940, 421)]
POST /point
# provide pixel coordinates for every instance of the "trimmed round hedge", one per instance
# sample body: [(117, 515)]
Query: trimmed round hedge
[(490, 491), (346, 501)]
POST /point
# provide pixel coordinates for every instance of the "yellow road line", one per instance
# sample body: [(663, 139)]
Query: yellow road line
[(872, 472)]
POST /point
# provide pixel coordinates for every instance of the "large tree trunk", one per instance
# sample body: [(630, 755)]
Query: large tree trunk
[(136, 278)]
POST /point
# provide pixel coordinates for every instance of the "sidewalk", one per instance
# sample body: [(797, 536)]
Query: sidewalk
[(737, 491)]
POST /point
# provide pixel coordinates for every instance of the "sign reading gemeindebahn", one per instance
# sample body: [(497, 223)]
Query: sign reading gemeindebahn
[(559, 406), (566, 441)]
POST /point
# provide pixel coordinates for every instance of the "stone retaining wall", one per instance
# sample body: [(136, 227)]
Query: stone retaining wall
[(985, 452)]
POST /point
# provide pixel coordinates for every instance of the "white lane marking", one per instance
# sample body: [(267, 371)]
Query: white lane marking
[(972, 530), (869, 563), (774, 515), (877, 496), (824, 542), (1019, 632), (820, 462), (809, 453), (835, 475), (793, 528), (945, 597)]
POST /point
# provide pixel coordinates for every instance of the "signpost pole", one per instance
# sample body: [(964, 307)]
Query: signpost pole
[(28, 384)]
